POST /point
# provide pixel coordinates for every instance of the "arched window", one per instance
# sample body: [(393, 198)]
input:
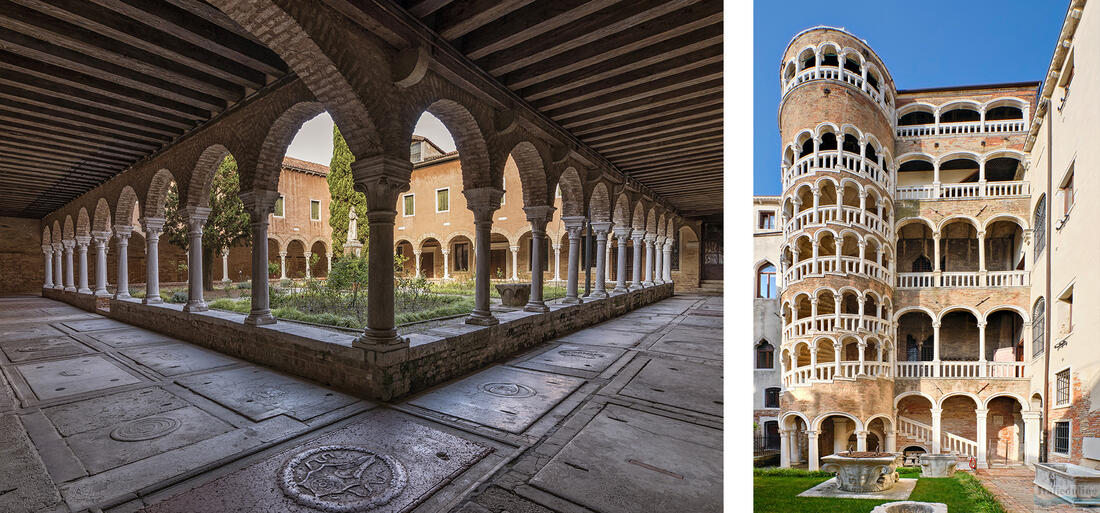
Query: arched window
[(765, 355), (771, 397), (765, 282), (922, 265), (1038, 327), (1040, 224)]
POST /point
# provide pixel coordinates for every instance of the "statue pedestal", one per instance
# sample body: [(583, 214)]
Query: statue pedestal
[(353, 248)]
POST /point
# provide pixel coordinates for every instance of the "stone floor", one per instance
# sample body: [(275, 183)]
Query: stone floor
[(1015, 490), (97, 415)]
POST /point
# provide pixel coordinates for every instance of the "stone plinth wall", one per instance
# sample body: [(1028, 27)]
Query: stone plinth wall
[(329, 358)]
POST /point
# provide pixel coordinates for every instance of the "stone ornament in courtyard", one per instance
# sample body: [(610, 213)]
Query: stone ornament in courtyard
[(863, 471), (514, 294), (938, 465), (911, 507)]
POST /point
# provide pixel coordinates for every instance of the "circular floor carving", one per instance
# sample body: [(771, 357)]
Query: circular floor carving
[(73, 372), (508, 390), (342, 478), (578, 353), (145, 429)]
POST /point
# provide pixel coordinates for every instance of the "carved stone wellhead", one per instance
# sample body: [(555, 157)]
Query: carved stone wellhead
[(863, 471)]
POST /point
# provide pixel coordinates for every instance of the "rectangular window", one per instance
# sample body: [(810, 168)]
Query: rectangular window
[(767, 220), (279, 212), (315, 210), (771, 398), (765, 285), (1038, 328), (1067, 193), (462, 257), (410, 205), (414, 152), (1061, 388), (1061, 437), (1065, 312), (443, 200)]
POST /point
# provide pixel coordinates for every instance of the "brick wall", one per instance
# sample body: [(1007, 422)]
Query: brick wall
[(22, 263)]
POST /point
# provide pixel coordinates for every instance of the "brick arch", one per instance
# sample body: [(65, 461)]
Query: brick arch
[(532, 174), (83, 223), (202, 176), (327, 247), (67, 231), (299, 240), (456, 234), (424, 237), (661, 224), (599, 204), (315, 43), (157, 193), (651, 221), (572, 192), (57, 234), (101, 219), (466, 130), (124, 207), (269, 161), (624, 211), (47, 238), (638, 219)]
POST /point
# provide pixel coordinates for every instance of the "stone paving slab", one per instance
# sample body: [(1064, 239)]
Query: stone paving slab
[(830, 489), (95, 324), (383, 461), (134, 440), (702, 321), (24, 331), (130, 336), (500, 397), (598, 337), (178, 358), (106, 410), (676, 343), (71, 376), (686, 385), (572, 356), (258, 393), (628, 461), (38, 348), (23, 477)]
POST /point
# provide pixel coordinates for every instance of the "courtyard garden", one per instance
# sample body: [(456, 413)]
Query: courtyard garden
[(775, 490)]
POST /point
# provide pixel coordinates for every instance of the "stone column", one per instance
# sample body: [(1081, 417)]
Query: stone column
[(538, 217), (603, 254), (416, 261), (937, 430), (225, 266), (446, 263), (812, 450), (1032, 432), (152, 227), (259, 205), (658, 261), (67, 246), (328, 269), (58, 271), (574, 225), (557, 261), (937, 273), (101, 239), (607, 258), (667, 260), (621, 234), (122, 239), (861, 440), (636, 237), (47, 252), (515, 262), (982, 367), (282, 265), (784, 448), (483, 202), (82, 264), (196, 218), (309, 272), (936, 349), (381, 178), (862, 357), (982, 414), (649, 238), (891, 441)]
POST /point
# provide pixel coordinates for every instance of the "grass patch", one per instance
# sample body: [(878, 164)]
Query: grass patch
[(466, 288), (775, 490), (290, 313)]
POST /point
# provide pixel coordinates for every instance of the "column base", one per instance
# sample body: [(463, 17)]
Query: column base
[(380, 340), (70, 289), (620, 289), (59, 287), (572, 300), (155, 300), (102, 293), (195, 306), (634, 286), (122, 296), (536, 307), (646, 284), (479, 318), (259, 318), (601, 294), (84, 291), (227, 280)]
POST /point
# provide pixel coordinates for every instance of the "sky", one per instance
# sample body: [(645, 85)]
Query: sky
[(924, 44), (314, 140)]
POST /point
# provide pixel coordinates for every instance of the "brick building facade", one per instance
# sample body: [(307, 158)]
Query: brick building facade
[(927, 254)]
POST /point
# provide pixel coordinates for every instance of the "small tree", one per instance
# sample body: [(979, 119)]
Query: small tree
[(227, 225), (344, 196), (350, 273)]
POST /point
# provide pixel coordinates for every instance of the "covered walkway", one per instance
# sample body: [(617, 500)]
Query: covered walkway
[(97, 413)]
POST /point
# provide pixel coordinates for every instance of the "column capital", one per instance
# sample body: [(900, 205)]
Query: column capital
[(515, 249), (381, 178), (83, 240), (621, 232), (47, 249), (307, 254), (483, 201), (445, 251), (259, 204), (282, 254), (650, 237), (981, 412), (196, 214), (123, 232), (416, 252), (637, 236), (57, 247), (152, 224), (101, 236), (936, 324), (936, 410), (660, 240), (538, 216), (556, 246), (1031, 415), (225, 252), (981, 234), (68, 244), (574, 223)]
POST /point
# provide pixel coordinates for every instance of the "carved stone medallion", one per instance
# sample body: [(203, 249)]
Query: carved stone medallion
[(342, 478), (578, 353), (508, 390), (145, 429)]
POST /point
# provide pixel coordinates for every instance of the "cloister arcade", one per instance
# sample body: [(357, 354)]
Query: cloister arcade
[(961, 251), (831, 60), (961, 175), (963, 117)]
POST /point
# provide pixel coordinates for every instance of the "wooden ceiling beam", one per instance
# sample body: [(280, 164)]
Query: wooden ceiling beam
[(664, 112), (41, 126), (658, 87), (28, 112), (525, 24), (672, 121), (644, 104), (45, 137), (94, 116), (674, 128), (460, 18), (17, 84), (666, 155), (660, 142), (10, 143), (65, 160), (422, 8)]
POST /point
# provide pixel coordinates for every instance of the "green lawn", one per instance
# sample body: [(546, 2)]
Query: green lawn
[(775, 491)]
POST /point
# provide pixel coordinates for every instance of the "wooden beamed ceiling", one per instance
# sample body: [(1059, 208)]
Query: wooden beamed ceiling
[(89, 87), (638, 81)]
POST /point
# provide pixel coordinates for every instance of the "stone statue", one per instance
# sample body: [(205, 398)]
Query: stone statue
[(353, 225)]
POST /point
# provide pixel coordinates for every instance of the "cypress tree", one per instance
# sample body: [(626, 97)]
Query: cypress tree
[(344, 196)]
